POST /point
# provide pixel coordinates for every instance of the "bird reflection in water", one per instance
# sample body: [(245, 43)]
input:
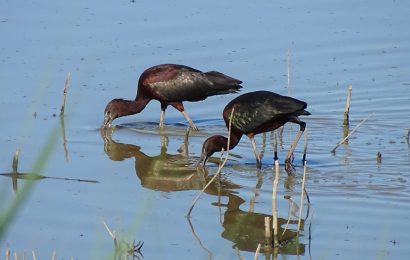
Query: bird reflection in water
[(164, 172), (176, 172), (246, 229)]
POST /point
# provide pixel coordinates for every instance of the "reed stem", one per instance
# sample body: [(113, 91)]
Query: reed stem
[(347, 107), (66, 83)]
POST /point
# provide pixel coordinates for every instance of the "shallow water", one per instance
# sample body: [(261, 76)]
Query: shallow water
[(144, 180)]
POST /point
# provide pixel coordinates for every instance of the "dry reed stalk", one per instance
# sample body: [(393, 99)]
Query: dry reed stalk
[(34, 255), (301, 194), (221, 165), (66, 83), (354, 129), (258, 249), (238, 253), (288, 219), (53, 257), (7, 253), (347, 107), (274, 205), (112, 234), (267, 228), (288, 67), (63, 135)]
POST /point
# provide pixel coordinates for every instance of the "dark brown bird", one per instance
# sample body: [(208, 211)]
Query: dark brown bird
[(254, 113), (171, 84)]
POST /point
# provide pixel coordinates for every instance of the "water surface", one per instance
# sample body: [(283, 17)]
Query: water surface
[(146, 178)]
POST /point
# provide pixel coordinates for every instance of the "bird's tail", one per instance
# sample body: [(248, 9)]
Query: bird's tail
[(223, 84)]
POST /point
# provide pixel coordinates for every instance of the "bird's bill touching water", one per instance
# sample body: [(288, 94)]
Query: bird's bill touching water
[(107, 120), (202, 160)]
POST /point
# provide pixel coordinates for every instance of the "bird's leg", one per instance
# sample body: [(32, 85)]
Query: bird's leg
[(180, 107), (288, 165), (162, 115), (161, 118), (191, 124), (257, 155)]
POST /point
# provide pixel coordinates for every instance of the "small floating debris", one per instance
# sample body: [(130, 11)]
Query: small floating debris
[(379, 157)]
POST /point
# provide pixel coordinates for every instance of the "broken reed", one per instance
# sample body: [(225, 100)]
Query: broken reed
[(354, 130), (33, 254), (16, 161), (347, 107), (66, 83)]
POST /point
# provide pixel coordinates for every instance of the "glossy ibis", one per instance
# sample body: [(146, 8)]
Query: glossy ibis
[(254, 113), (171, 84)]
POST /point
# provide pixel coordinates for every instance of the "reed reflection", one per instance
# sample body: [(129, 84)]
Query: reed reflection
[(246, 229)]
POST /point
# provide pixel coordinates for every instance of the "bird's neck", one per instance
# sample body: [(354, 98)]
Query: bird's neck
[(233, 140), (136, 106)]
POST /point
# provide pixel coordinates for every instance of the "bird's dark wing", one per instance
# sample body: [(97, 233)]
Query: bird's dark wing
[(172, 82), (252, 110), (187, 85)]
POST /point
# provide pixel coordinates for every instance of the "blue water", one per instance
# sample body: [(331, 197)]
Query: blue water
[(359, 207)]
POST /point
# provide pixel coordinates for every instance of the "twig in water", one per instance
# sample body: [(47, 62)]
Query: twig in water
[(354, 129), (257, 251), (199, 239), (221, 165), (347, 107), (291, 209), (67, 81)]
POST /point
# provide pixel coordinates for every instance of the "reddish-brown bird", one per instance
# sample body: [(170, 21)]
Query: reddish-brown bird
[(171, 84), (254, 113)]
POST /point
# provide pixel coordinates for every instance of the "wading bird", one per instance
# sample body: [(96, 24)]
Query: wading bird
[(171, 84), (254, 113)]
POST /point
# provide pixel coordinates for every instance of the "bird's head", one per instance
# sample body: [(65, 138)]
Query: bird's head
[(211, 145), (112, 111)]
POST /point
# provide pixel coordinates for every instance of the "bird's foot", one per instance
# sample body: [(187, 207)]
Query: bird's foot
[(193, 127), (289, 168)]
